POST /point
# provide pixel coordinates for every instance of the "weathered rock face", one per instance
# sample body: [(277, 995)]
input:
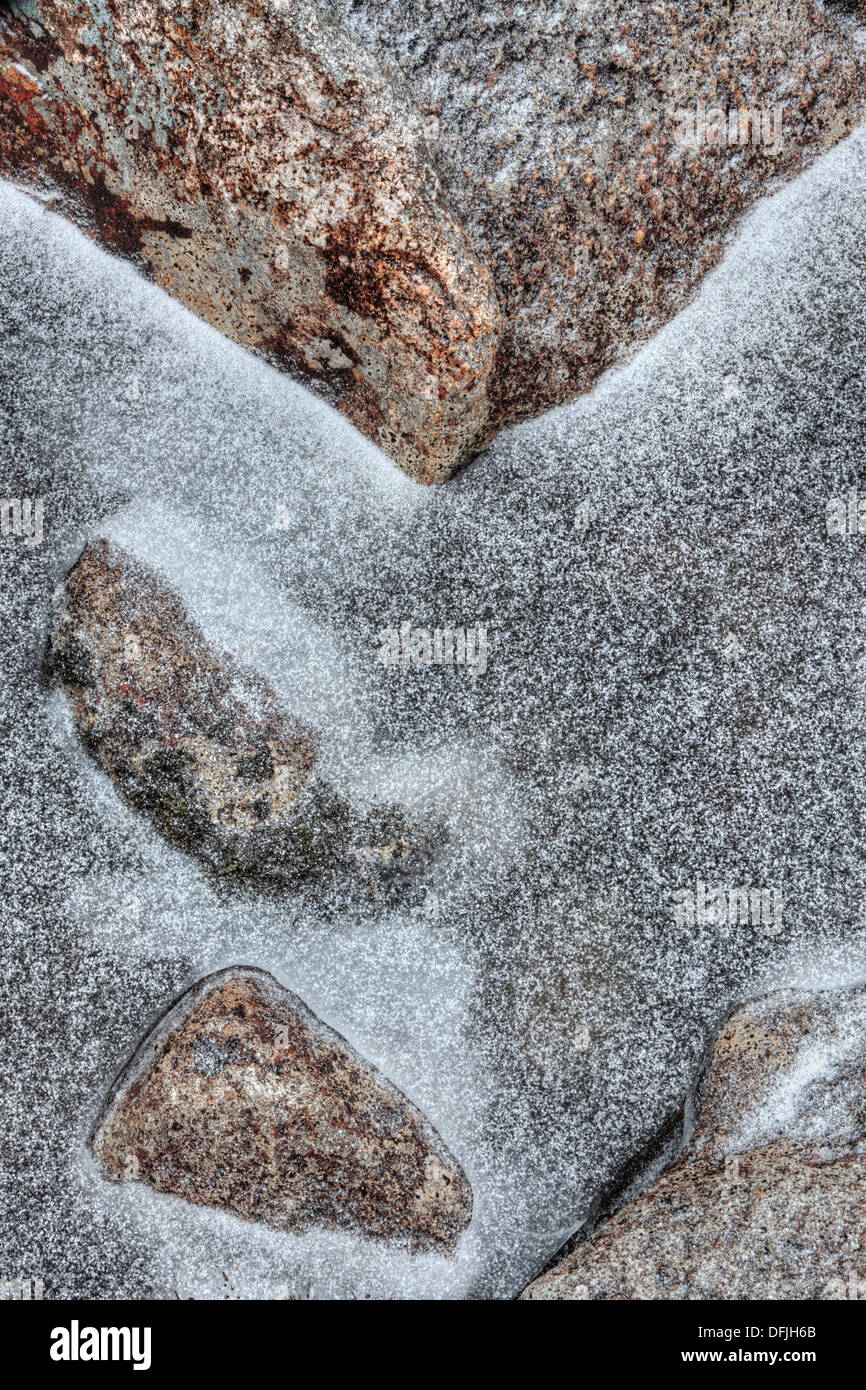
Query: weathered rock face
[(200, 744), (766, 1201), (242, 1099), (266, 172), (446, 216), (555, 128)]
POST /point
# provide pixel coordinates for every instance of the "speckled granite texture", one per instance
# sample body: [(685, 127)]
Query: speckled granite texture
[(242, 1099), (672, 709), (200, 744), (569, 140), (446, 216), (261, 167)]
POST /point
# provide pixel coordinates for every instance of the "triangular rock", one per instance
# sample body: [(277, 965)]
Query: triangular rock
[(241, 1098)]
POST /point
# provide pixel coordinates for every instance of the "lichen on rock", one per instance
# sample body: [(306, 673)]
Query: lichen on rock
[(201, 744), (240, 1098)]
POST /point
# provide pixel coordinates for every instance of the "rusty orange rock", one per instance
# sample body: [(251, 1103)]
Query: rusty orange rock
[(445, 218), (264, 170)]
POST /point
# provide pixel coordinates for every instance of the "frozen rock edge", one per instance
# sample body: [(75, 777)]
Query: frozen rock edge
[(202, 745), (765, 1200), (261, 167)]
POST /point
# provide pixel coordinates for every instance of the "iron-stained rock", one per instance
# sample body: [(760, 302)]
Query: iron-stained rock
[(242, 1099), (201, 744), (264, 169), (577, 144), (766, 1200), (448, 217)]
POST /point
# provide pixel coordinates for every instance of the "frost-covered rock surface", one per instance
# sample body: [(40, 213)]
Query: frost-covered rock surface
[(201, 745), (673, 694), (448, 216), (242, 1099), (766, 1199)]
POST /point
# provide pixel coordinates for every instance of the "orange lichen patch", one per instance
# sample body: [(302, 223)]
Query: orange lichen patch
[(18, 90), (16, 83)]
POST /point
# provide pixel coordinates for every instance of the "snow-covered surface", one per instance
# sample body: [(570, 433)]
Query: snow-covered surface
[(535, 995)]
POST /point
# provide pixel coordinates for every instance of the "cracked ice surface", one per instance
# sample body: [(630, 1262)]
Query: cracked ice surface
[(674, 693)]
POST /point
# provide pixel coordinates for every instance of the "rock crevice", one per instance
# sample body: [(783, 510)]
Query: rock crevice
[(766, 1199), (445, 218)]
